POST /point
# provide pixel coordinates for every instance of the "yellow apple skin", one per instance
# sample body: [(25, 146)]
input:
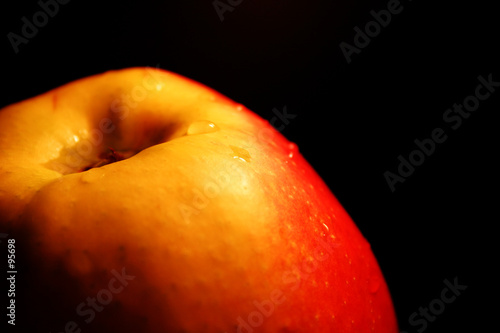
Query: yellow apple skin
[(217, 220)]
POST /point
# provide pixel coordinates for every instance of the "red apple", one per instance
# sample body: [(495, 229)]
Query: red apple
[(142, 201)]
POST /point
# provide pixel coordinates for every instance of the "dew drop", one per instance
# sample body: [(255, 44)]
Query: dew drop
[(240, 153), (292, 149), (202, 127)]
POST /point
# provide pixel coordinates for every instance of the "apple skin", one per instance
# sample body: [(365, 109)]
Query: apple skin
[(218, 221)]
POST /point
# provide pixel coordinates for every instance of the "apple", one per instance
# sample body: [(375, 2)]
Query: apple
[(142, 201)]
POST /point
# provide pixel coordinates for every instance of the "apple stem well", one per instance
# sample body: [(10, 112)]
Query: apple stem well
[(107, 157)]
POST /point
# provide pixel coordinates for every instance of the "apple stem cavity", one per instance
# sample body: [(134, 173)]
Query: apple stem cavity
[(107, 157)]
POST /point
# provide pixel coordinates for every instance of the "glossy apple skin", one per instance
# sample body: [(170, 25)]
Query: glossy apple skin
[(221, 222)]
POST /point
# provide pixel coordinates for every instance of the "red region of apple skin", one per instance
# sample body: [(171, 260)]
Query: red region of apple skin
[(308, 269), (345, 285)]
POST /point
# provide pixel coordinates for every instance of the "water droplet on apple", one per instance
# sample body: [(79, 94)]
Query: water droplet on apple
[(325, 231), (292, 149), (202, 127), (373, 284), (240, 153)]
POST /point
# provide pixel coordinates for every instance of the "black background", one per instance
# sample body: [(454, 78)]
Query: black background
[(352, 120)]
